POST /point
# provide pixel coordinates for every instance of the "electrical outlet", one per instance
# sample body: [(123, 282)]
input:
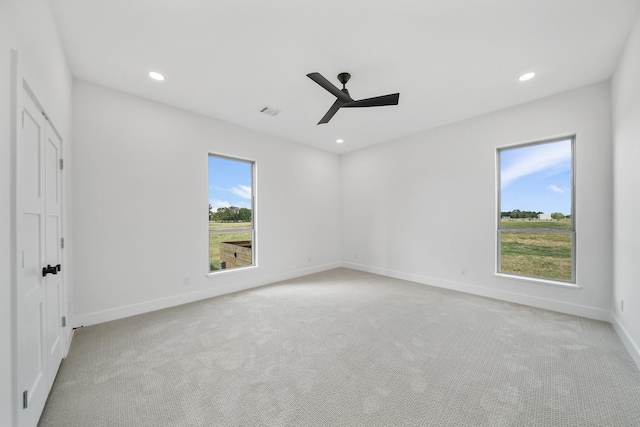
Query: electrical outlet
[(355, 256), (464, 271), (621, 305), (309, 260), (186, 280)]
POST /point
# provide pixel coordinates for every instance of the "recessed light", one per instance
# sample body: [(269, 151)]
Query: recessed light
[(156, 76), (527, 76), (339, 141)]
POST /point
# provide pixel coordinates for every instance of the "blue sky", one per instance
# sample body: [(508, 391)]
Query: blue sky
[(229, 183), (536, 178)]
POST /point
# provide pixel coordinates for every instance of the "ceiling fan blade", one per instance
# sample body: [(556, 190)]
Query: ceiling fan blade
[(378, 101), (332, 111), (317, 77)]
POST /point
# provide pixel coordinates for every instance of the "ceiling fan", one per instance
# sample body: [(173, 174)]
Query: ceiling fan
[(344, 100)]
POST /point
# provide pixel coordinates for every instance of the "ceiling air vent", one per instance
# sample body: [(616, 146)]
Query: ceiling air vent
[(270, 111)]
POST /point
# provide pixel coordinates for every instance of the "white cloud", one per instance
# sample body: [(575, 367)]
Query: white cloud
[(536, 159), (555, 188), (243, 191), (215, 204)]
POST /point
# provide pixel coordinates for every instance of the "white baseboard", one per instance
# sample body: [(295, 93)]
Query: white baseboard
[(69, 339), (632, 347), (172, 301), (562, 307)]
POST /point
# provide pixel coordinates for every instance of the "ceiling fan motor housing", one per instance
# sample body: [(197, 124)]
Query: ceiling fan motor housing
[(344, 78)]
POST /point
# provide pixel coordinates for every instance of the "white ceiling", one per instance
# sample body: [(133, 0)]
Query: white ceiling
[(449, 59)]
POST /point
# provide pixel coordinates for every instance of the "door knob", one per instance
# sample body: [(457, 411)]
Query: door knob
[(50, 270)]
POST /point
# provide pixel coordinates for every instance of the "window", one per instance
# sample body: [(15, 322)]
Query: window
[(536, 220), (231, 213)]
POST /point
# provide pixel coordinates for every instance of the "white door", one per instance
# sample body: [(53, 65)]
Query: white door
[(38, 182), (53, 247)]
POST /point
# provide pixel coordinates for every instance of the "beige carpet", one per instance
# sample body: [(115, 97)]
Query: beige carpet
[(345, 348)]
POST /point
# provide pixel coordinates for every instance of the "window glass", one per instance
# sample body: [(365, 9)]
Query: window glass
[(231, 213), (536, 233)]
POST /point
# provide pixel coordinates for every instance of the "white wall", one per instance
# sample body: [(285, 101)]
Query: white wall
[(28, 27), (6, 318), (424, 207), (141, 210), (626, 145)]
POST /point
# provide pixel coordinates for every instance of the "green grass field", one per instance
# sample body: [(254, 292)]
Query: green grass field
[(563, 224), (231, 236), (546, 255)]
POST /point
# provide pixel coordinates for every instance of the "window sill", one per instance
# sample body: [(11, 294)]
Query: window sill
[(546, 282), (230, 271)]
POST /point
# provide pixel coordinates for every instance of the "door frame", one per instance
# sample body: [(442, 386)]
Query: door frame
[(19, 87)]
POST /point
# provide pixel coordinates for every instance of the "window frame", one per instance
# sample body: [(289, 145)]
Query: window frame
[(252, 229), (571, 231)]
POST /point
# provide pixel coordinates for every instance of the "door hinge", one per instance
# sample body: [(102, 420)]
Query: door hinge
[(25, 399), (62, 243), (61, 164), (23, 119), (64, 321)]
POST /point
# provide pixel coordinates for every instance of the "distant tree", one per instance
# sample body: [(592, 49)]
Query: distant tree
[(244, 215), (222, 215), (232, 214), (210, 213), (517, 213), (557, 215)]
